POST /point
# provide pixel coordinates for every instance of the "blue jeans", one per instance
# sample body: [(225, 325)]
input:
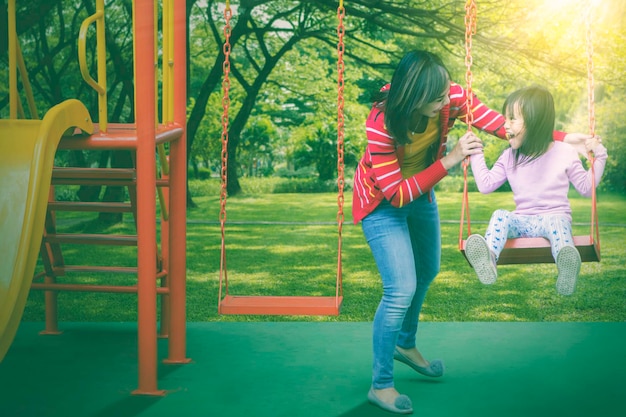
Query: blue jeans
[(406, 244)]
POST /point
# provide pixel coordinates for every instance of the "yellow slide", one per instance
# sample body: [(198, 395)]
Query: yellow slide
[(27, 149)]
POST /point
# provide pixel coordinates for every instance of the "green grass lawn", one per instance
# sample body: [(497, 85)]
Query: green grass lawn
[(286, 244)]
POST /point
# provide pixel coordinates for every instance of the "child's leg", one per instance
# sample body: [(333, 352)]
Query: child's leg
[(497, 231), (482, 253), (558, 230)]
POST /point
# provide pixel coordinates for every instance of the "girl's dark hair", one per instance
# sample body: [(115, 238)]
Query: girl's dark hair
[(536, 106), (419, 79)]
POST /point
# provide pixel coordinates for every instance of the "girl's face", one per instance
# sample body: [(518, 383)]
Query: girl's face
[(514, 125), (433, 108)]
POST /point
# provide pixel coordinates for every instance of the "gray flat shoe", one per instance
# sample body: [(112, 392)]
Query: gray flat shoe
[(402, 404), (568, 264), (481, 259), (434, 369)]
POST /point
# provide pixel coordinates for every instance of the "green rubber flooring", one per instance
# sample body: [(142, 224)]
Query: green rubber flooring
[(306, 369)]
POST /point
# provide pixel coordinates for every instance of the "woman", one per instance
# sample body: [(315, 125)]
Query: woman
[(393, 198)]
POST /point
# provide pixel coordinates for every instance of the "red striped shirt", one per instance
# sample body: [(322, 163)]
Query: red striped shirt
[(378, 174)]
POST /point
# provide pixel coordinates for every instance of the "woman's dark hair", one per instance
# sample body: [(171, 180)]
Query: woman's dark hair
[(536, 106), (419, 79)]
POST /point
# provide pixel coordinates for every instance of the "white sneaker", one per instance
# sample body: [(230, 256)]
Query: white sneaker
[(481, 259), (568, 264)]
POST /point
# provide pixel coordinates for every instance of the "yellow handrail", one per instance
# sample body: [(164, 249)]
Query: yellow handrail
[(101, 84), (168, 61), (12, 58), (30, 98)]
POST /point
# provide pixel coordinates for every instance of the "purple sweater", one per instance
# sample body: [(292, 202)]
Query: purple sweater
[(541, 186)]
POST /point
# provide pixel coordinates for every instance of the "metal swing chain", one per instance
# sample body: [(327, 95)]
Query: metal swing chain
[(224, 176), (470, 30), (592, 125), (340, 137)]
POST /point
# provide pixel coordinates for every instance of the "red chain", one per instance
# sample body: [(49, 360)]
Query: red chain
[(340, 135), (470, 29), (592, 128), (590, 84), (225, 107)]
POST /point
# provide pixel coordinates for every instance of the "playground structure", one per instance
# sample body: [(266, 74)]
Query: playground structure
[(27, 214)]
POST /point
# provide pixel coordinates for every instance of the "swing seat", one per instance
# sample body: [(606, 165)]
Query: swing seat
[(535, 250), (281, 305)]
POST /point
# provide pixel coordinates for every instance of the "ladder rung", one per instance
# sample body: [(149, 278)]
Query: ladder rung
[(92, 239), (281, 305), (108, 207), (132, 270), (60, 270), (92, 288), (93, 176), (95, 173)]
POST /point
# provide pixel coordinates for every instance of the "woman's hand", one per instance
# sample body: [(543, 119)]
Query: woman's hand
[(578, 141), (468, 144), (594, 144)]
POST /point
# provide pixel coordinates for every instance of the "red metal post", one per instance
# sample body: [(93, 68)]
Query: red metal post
[(178, 197), (145, 117)]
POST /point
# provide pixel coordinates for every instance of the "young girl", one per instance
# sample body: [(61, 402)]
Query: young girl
[(539, 171)]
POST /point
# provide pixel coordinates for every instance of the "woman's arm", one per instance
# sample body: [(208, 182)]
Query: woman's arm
[(492, 122), (387, 170)]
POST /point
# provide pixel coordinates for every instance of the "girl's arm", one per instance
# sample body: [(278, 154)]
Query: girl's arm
[(488, 180), (581, 178)]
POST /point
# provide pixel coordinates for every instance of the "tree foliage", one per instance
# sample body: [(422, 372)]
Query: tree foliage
[(283, 62)]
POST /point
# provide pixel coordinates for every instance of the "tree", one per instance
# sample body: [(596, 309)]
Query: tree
[(255, 149), (283, 61)]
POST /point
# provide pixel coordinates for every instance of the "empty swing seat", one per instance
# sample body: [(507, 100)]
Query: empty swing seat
[(281, 305)]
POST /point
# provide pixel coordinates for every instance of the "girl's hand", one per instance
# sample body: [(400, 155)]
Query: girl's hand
[(468, 144)]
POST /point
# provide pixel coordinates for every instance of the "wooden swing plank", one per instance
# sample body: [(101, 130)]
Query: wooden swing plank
[(536, 250), (281, 305)]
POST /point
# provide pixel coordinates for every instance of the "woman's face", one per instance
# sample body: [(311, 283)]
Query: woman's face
[(514, 125), (433, 108)]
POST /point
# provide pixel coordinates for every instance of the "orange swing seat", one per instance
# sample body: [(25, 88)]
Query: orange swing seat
[(536, 250), (282, 305)]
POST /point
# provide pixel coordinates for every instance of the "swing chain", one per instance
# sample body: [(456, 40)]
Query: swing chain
[(224, 155), (470, 29), (340, 115), (594, 233), (590, 81), (225, 107), (341, 12)]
